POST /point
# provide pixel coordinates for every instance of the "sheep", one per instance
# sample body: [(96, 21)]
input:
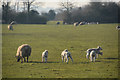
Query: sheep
[(22, 52), (58, 23), (76, 23), (10, 27), (44, 56), (96, 49), (93, 55), (81, 23), (65, 56)]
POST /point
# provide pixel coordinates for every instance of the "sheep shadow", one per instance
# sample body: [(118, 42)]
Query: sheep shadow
[(41, 62), (110, 58), (14, 34)]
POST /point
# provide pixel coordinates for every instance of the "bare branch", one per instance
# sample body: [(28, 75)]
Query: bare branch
[(32, 1)]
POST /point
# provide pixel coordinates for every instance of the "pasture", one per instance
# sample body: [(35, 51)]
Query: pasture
[(56, 38)]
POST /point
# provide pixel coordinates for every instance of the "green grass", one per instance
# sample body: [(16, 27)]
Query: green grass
[(55, 39)]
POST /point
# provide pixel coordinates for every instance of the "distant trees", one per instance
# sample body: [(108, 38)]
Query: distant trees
[(50, 15), (34, 18), (103, 12), (24, 17), (7, 12)]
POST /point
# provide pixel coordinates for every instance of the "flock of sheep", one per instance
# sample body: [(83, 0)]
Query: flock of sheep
[(25, 51), (10, 27)]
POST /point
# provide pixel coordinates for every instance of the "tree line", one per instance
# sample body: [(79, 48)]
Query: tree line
[(27, 16), (102, 12)]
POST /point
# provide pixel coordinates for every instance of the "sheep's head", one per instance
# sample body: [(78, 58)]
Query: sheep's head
[(99, 48), (18, 58), (101, 53), (66, 50)]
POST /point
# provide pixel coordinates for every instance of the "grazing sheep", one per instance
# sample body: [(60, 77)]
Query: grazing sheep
[(22, 52), (76, 23), (65, 56), (93, 49), (93, 55), (81, 23), (44, 56), (58, 23)]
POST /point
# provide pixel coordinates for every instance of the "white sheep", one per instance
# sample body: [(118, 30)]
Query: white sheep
[(96, 49), (45, 56), (22, 52), (93, 55), (76, 23), (65, 56)]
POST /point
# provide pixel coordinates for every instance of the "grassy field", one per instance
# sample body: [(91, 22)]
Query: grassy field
[(55, 39)]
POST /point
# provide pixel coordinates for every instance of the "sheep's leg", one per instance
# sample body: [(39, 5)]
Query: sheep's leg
[(27, 58), (42, 59), (91, 59), (24, 59), (67, 60), (71, 58), (46, 59), (87, 55), (94, 59), (18, 59), (21, 59), (62, 58)]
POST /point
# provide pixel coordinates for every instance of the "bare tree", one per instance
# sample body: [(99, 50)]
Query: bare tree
[(29, 3), (67, 7), (16, 6)]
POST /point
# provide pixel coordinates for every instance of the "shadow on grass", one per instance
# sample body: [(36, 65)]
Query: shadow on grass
[(14, 34), (110, 58), (42, 62)]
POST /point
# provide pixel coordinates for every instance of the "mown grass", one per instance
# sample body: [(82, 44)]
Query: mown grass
[(55, 39)]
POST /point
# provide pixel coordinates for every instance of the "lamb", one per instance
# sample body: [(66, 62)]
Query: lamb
[(45, 56), (94, 49), (22, 52), (93, 55), (65, 56)]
